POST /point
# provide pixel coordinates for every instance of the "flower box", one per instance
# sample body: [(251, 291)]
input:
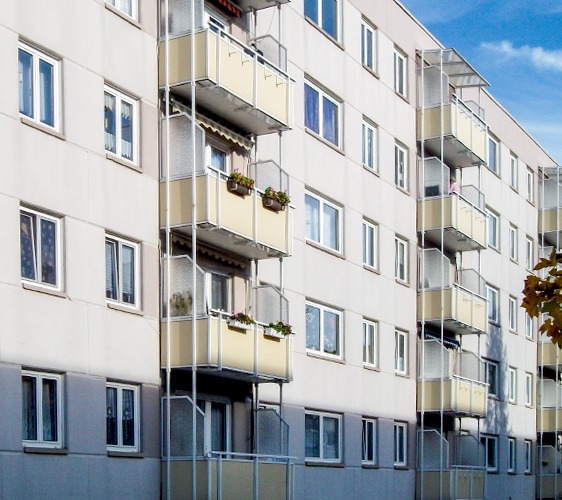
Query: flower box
[(236, 188), (272, 204), (238, 325), (273, 333)]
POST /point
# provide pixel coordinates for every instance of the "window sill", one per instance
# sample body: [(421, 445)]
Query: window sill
[(45, 451), (122, 15), (371, 170), (402, 96), (495, 172), (402, 282), (370, 466), (513, 260), (530, 339), (496, 249), (325, 33), (401, 467), (402, 190), (337, 149), (371, 269), (42, 128), (325, 249), (124, 454), (312, 463), (44, 289), (125, 163), (514, 188), (325, 357), (122, 308), (371, 368), (402, 375), (372, 71)]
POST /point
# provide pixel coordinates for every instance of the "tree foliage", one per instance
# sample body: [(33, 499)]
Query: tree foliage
[(544, 296)]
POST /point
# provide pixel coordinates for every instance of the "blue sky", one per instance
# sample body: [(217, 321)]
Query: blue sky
[(516, 45)]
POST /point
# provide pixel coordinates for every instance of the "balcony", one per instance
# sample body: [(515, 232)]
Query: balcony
[(549, 482), (455, 298), (550, 216), (548, 354), (451, 381), (456, 221), (549, 415), (247, 352), (241, 225), (246, 86)]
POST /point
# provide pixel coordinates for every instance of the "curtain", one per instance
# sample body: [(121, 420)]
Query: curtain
[(368, 434), (128, 273), (111, 415), (127, 7), (312, 436), (49, 407), (48, 252), (126, 130), (218, 426), (25, 68), (128, 417), (109, 122), (27, 247), (47, 92), (331, 438), (312, 218), (29, 409), (110, 270), (312, 328), (330, 121), (311, 109), (331, 333), (330, 227)]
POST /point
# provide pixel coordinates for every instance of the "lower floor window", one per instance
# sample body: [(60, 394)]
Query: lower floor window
[(491, 452), (216, 424), (322, 437), (369, 452), (400, 443), (122, 417), (41, 406), (528, 456)]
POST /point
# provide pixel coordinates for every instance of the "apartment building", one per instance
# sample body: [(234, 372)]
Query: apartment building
[(299, 303)]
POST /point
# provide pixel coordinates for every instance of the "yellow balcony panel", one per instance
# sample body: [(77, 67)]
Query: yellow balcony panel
[(464, 225), (233, 81), (457, 483), (464, 312), (548, 486), (460, 396), (550, 224), (247, 354), (237, 224), (546, 420), (464, 134), (236, 479), (548, 354)]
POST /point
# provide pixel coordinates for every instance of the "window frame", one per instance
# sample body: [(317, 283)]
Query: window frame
[(513, 242), (370, 234), (339, 230), (528, 326), (493, 216), (528, 389), (514, 171), (511, 455), (529, 253), (493, 304), (528, 456), (209, 274), (401, 176), (134, 15), (322, 309), (512, 314), (370, 344), (120, 98), (208, 402), (487, 441), (400, 84), (321, 438), (120, 387), (401, 268), (495, 385), (366, 29), (369, 161), (530, 186), (38, 399), (496, 164), (323, 94), (136, 304), (211, 144), (512, 384), (400, 352), (400, 457), (372, 441), (318, 19)]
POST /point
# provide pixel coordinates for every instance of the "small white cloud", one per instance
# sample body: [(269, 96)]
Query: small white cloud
[(537, 56)]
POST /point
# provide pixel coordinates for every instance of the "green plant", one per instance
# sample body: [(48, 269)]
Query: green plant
[(243, 318), (241, 179), (283, 328), (181, 304), (281, 196)]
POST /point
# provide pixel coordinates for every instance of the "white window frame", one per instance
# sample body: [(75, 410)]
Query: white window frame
[(513, 242), (339, 340), (39, 377), (495, 167), (369, 158), (400, 444), (401, 259), (120, 6), (35, 240), (119, 242), (223, 148), (37, 56), (370, 343), (529, 253), (528, 326), (370, 244), (400, 352), (513, 314), (400, 166), (322, 416), (322, 94), (120, 98), (366, 30), (512, 384), (528, 389), (490, 442), (495, 383), (369, 427), (319, 21), (530, 186), (528, 456), (513, 170), (209, 273), (511, 454), (207, 402), (120, 388), (493, 296), (400, 80), (338, 210), (493, 221)]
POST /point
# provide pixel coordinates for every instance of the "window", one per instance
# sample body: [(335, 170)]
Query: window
[(528, 456), (400, 259), (491, 452), (39, 86), (41, 409), (493, 156), (370, 340), (370, 244), (493, 304), (400, 352), (530, 186), (323, 222), (528, 326), (400, 166), (128, 7), (217, 423), (219, 284), (122, 416), (369, 151), (528, 389), (217, 156), (369, 450), (492, 378), (512, 384), (120, 123), (511, 455), (323, 327), (322, 437), (400, 72), (368, 46), (512, 242), (400, 443), (513, 170), (493, 230), (121, 271), (513, 314), (529, 254), (40, 246), (324, 13), (322, 114)]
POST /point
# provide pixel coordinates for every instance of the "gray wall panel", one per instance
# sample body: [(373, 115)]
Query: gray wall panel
[(150, 425), (10, 408)]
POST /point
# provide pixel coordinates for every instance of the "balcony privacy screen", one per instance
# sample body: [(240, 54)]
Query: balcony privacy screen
[(437, 270), (269, 174), (271, 49), (468, 451), (181, 288), (435, 87), (547, 393), (433, 369), (181, 146), (270, 305), (468, 365), (435, 178), (432, 455), (179, 18), (181, 424), (273, 433)]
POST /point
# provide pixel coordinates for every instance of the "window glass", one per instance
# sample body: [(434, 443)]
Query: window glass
[(322, 437), (219, 292), (26, 82), (323, 229), (321, 114), (369, 437), (492, 378), (323, 329), (121, 271), (122, 419), (400, 445), (120, 124), (370, 343)]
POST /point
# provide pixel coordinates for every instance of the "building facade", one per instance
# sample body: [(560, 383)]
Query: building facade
[(314, 223)]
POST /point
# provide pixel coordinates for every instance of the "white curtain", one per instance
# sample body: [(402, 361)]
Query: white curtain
[(109, 119)]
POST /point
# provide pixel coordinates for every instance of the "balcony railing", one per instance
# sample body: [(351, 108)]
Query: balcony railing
[(549, 481)]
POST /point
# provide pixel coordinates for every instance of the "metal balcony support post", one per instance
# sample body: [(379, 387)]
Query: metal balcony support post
[(256, 443)]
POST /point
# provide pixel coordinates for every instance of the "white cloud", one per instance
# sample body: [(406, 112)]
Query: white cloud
[(537, 56)]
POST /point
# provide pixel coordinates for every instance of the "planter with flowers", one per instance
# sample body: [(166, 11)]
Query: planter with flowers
[(239, 184), (275, 200), (278, 330), (240, 321)]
